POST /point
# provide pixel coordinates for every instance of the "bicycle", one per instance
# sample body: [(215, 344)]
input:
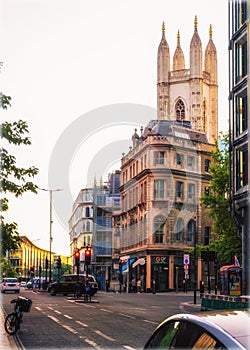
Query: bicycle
[(13, 320)]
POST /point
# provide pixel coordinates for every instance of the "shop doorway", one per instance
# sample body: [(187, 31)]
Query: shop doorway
[(160, 275)]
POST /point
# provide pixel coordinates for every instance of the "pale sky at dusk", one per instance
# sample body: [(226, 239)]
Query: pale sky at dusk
[(63, 59)]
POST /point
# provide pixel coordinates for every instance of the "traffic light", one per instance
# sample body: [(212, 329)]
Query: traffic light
[(88, 256), (32, 267), (77, 257), (58, 262)]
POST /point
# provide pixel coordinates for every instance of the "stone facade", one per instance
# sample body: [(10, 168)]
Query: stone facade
[(166, 171), (189, 94)]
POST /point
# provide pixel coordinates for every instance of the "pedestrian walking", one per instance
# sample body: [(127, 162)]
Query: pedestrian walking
[(138, 285), (107, 285)]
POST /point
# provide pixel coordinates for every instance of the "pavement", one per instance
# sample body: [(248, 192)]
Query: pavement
[(12, 341), (7, 341)]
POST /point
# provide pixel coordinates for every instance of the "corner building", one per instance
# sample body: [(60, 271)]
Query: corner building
[(166, 171), (239, 106)]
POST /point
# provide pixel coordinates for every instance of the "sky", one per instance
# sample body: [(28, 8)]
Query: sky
[(83, 74)]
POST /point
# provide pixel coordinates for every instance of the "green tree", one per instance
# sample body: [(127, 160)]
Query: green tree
[(225, 240), (13, 179)]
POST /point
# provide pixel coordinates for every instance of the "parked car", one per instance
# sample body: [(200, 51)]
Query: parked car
[(10, 284), (30, 283), (22, 281), (209, 330), (67, 285), (33, 282)]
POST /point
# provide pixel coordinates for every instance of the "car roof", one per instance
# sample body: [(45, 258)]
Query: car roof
[(233, 322), (74, 274), (80, 274)]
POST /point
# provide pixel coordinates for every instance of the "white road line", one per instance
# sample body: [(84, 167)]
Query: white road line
[(58, 312), (140, 309), (69, 317), (104, 335), (105, 310), (38, 308), (128, 347), (51, 308), (90, 342), (70, 329), (150, 321), (53, 318), (82, 324), (155, 306), (128, 316)]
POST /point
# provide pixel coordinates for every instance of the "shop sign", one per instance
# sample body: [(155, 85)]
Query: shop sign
[(160, 260)]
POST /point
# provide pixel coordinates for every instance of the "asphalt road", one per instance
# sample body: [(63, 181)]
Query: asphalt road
[(110, 321)]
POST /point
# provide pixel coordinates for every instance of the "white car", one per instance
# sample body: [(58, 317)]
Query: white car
[(23, 281), (10, 284), (219, 329)]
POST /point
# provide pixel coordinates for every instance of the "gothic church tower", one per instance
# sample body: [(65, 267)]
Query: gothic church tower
[(189, 94)]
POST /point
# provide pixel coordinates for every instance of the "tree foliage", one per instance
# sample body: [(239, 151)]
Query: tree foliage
[(225, 240), (14, 179)]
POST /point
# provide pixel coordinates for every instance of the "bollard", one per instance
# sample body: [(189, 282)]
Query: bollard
[(194, 296)]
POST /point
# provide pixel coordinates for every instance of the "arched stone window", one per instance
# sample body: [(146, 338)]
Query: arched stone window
[(159, 224), (180, 110), (179, 229)]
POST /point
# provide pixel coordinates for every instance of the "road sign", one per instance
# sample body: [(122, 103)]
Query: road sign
[(186, 267), (186, 259)]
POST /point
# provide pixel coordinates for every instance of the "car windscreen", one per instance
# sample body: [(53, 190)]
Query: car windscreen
[(11, 280)]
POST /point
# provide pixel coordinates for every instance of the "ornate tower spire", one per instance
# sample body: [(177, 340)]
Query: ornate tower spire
[(210, 67), (163, 58), (196, 77), (210, 31), (163, 69), (178, 59), (195, 24), (210, 60), (163, 27), (195, 53)]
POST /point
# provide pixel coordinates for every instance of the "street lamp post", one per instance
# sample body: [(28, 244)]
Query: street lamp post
[(50, 225), (195, 260)]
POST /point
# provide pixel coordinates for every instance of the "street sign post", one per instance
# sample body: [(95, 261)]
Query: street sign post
[(186, 259)]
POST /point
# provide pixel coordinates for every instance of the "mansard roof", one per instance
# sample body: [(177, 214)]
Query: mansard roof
[(178, 129)]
